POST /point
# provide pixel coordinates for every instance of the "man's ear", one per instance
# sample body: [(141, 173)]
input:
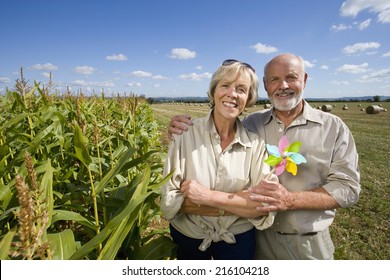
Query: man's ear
[(305, 79), (264, 84)]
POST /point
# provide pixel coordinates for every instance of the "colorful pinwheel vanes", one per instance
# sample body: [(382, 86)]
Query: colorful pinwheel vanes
[(285, 157)]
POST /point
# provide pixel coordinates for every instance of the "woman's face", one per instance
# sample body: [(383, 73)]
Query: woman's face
[(231, 96)]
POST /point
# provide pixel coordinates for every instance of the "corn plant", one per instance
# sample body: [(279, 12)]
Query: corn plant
[(90, 169)]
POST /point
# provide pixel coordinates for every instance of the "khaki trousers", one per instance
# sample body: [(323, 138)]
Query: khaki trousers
[(271, 245)]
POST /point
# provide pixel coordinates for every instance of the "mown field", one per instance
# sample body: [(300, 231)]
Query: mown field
[(361, 232)]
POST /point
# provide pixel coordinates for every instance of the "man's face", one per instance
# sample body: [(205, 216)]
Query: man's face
[(284, 82)]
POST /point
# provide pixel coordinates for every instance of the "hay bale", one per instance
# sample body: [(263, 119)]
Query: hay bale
[(267, 106), (345, 108), (326, 108), (373, 109)]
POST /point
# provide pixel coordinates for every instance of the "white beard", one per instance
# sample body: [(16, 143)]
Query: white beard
[(286, 104)]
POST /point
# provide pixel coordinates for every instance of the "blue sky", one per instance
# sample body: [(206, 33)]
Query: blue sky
[(171, 48)]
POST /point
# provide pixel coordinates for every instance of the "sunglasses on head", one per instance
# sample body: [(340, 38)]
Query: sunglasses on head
[(231, 61)]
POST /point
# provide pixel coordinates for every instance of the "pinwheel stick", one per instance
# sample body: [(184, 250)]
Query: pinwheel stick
[(270, 173)]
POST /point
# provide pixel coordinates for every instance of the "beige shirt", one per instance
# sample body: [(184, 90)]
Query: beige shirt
[(197, 155), (332, 162)]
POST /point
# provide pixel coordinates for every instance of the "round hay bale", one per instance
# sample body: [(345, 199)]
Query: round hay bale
[(345, 108), (362, 109), (373, 109), (326, 108), (266, 106)]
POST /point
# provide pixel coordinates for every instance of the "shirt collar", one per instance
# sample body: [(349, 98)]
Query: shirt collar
[(309, 114), (241, 136)]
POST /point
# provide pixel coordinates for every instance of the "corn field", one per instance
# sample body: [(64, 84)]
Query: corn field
[(80, 177)]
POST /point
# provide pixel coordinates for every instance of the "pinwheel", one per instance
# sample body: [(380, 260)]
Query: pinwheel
[(285, 157)]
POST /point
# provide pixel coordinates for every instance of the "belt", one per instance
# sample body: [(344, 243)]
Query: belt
[(301, 234)]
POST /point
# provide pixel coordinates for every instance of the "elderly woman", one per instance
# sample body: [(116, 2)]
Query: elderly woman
[(213, 164)]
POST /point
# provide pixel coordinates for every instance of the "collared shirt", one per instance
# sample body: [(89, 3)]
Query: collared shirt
[(197, 155), (332, 162)]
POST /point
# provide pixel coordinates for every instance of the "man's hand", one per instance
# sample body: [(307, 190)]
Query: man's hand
[(274, 196), (178, 124)]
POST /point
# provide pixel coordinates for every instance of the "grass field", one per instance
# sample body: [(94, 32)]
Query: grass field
[(361, 232)]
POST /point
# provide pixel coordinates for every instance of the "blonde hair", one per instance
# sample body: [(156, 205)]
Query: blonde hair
[(233, 70)]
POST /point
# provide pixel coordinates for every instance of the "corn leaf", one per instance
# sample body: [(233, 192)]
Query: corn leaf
[(115, 170), (157, 249), (80, 145), (5, 245), (47, 189), (127, 216), (64, 215), (115, 241), (62, 245)]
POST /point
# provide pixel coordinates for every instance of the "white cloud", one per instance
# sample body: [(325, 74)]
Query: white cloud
[(79, 83), (102, 84), (365, 24), (308, 64), (83, 83), (134, 84), (351, 8), (377, 76), (45, 74), (45, 67), (354, 69), (262, 48), (195, 76), (117, 57), (340, 27), (339, 83), (140, 73), (85, 70), (159, 77), (199, 67), (181, 53), (361, 47), (4, 80), (324, 67), (386, 54)]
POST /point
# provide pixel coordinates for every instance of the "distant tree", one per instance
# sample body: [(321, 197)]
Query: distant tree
[(376, 98)]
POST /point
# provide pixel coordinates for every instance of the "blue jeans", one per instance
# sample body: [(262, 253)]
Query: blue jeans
[(243, 249)]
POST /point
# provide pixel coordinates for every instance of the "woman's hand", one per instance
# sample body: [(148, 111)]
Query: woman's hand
[(195, 192)]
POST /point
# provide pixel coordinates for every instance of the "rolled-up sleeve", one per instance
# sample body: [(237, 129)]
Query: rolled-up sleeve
[(171, 197), (343, 182)]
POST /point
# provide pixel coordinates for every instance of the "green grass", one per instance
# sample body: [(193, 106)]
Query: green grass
[(361, 232)]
